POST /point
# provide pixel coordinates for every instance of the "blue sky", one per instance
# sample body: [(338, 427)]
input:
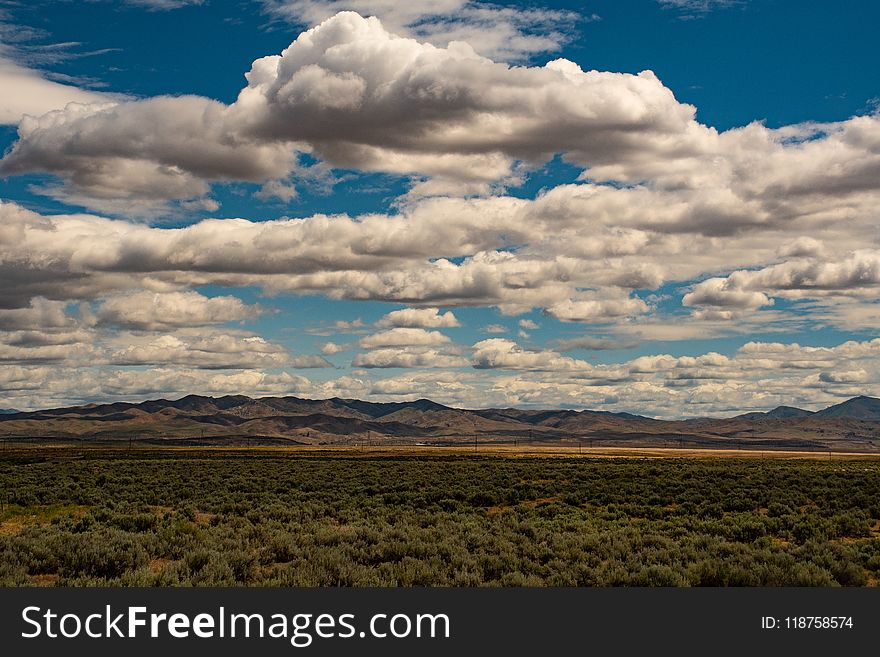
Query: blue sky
[(697, 240)]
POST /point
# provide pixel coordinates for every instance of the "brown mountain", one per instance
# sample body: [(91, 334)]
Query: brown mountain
[(237, 419), (778, 413), (863, 408)]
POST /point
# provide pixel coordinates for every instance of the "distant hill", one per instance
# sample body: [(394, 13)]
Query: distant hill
[(8, 411), (778, 413), (862, 408), (237, 419)]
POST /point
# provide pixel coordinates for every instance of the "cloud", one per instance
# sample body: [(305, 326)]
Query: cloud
[(690, 9), (309, 361), (447, 387), (28, 92), (157, 311), (397, 104), (593, 343), (276, 189), (140, 329), (596, 310), (78, 343), (156, 150), (27, 87), (719, 292), (164, 5), (362, 98), (801, 247), (419, 318), (39, 314), (853, 314), (497, 31), (13, 350), (856, 275), (408, 347), (344, 326), (81, 256), (330, 348), (528, 324), (209, 350), (850, 376), (500, 353), (407, 357), (495, 328), (45, 336), (401, 337)]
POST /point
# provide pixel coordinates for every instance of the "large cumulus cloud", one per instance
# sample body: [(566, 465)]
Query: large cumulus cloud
[(357, 96)]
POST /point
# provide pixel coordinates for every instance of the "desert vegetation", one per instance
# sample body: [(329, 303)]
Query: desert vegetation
[(212, 517)]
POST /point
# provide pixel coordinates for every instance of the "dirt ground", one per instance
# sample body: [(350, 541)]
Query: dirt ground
[(501, 451)]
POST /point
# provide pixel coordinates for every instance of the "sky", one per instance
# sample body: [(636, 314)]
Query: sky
[(667, 207)]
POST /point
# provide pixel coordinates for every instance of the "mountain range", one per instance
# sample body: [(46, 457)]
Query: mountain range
[(862, 408), (237, 419)]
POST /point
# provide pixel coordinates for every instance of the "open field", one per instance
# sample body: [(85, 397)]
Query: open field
[(92, 449), (387, 516)]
